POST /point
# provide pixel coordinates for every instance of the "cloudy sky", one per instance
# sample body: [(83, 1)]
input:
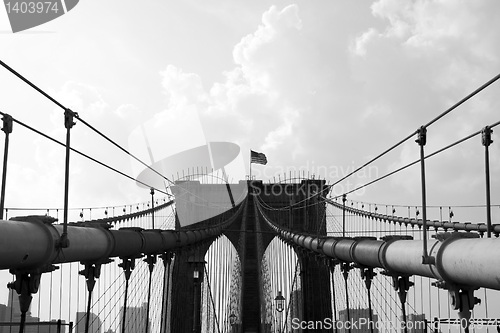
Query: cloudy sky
[(318, 86)]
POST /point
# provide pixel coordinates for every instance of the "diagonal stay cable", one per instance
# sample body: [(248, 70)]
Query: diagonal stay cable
[(82, 154)]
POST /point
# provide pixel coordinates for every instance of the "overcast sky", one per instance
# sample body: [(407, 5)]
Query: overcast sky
[(315, 85)]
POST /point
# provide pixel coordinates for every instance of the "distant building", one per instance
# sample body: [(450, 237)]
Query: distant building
[(11, 315), (95, 323), (415, 323), (359, 321), (135, 320), (3, 316)]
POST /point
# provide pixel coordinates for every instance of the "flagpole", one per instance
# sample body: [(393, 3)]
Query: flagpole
[(250, 165)]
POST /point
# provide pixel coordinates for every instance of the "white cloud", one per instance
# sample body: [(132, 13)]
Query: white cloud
[(333, 86), (423, 58), (182, 87), (360, 44), (82, 97), (251, 104), (274, 25), (128, 111), (439, 25)]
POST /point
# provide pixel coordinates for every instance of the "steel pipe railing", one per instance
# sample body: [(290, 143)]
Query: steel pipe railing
[(34, 242), (461, 258), (456, 226)]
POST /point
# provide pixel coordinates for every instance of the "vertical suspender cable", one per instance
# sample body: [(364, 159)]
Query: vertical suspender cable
[(166, 277), (152, 208), (422, 140), (486, 140), (87, 317), (68, 123), (346, 267), (332, 269), (150, 260), (7, 128), (127, 265), (343, 214)]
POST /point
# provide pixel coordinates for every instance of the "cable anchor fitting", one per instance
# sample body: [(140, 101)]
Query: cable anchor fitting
[(151, 261), (127, 264), (367, 274), (402, 284), (346, 267), (26, 284), (91, 272), (461, 299)]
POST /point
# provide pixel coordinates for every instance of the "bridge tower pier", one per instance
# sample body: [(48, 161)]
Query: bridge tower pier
[(306, 215), (188, 274)]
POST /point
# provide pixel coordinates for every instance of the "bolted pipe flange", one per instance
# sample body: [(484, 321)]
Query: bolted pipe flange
[(446, 238), (462, 299)]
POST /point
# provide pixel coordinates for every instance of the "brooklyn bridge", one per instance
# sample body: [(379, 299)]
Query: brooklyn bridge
[(204, 254)]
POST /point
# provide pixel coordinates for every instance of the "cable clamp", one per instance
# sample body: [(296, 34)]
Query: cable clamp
[(7, 123), (69, 117), (486, 136), (421, 136)]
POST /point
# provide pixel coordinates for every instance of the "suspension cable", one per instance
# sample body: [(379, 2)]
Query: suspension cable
[(417, 161), (475, 92), (32, 85), (53, 100), (463, 100), (122, 149), (376, 157), (83, 154)]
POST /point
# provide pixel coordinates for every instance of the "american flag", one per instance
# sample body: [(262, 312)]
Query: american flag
[(258, 158)]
